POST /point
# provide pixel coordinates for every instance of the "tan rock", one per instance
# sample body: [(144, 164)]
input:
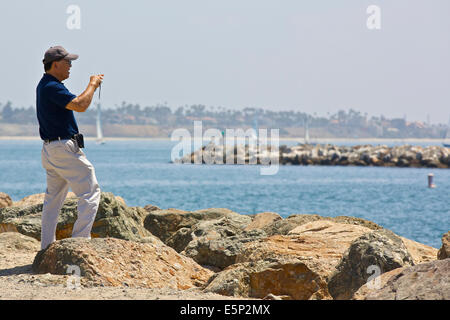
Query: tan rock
[(295, 265), (419, 252), (16, 254), (283, 226), (263, 219), (320, 243), (116, 262), (13, 241), (444, 251), (342, 232), (291, 279), (356, 221), (36, 199), (39, 199), (5, 200)]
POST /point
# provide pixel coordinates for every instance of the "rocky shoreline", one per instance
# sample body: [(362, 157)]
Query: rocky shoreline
[(214, 253), (327, 154)]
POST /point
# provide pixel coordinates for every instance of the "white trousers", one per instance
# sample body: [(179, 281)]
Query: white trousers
[(67, 166)]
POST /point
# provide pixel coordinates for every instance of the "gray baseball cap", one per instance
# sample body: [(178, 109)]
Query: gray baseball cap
[(57, 53)]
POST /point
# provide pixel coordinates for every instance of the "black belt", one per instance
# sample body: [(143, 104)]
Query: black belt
[(58, 138)]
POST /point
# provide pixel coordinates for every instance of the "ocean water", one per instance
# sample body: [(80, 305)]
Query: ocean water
[(140, 172)]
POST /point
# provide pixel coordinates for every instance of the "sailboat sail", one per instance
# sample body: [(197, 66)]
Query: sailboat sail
[(306, 132), (255, 129)]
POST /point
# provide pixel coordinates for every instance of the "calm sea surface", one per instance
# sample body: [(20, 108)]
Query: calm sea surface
[(140, 172)]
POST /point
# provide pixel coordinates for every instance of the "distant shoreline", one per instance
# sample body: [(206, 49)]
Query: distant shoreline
[(299, 139)]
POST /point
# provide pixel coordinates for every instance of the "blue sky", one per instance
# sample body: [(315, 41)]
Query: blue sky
[(313, 56)]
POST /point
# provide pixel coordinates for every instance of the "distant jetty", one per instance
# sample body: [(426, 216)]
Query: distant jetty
[(329, 155)]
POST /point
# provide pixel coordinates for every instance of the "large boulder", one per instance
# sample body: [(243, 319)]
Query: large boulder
[(290, 278), (426, 281), (320, 259), (113, 219), (296, 265), (25, 220), (218, 242), (211, 237), (444, 251), (116, 262), (165, 223), (5, 200), (377, 251)]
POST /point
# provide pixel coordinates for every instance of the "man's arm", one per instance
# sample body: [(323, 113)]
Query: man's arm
[(82, 102)]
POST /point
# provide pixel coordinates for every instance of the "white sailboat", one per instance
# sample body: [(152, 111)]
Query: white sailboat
[(100, 139), (306, 132), (254, 135), (306, 139)]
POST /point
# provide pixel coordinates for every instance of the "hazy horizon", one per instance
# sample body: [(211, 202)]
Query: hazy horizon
[(314, 57)]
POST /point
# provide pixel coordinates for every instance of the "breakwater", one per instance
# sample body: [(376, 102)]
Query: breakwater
[(327, 154)]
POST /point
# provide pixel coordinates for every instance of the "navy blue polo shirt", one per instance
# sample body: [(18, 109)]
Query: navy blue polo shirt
[(54, 119)]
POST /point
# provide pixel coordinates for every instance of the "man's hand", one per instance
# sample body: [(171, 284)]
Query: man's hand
[(82, 102), (96, 80)]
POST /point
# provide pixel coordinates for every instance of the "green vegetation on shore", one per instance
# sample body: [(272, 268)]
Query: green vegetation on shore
[(132, 120)]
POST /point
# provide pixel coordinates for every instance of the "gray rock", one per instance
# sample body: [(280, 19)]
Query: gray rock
[(367, 155), (165, 223), (180, 239), (113, 219), (425, 281), (381, 249), (217, 243)]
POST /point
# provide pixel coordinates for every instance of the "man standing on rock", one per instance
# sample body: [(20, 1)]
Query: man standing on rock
[(62, 157)]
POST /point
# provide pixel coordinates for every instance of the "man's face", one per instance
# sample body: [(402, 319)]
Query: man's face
[(62, 67)]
